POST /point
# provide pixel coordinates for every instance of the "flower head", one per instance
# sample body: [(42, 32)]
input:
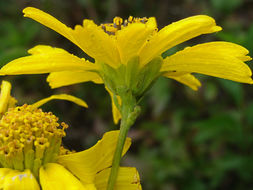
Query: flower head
[(30, 138), (32, 154), (128, 53)]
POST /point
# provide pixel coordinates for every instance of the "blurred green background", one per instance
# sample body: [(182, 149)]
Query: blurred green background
[(183, 139)]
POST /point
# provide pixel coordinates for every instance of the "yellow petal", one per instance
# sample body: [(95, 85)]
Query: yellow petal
[(224, 48), (3, 174), (50, 22), (128, 179), (54, 176), (67, 97), (64, 78), (115, 111), (5, 96), (45, 59), (90, 186), (151, 23), (12, 102), (97, 44), (89, 37), (206, 59), (14, 180), (132, 38), (87, 163), (177, 33), (186, 79)]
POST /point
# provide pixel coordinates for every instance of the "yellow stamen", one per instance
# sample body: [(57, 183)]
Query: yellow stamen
[(118, 24), (29, 138), (65, 151)]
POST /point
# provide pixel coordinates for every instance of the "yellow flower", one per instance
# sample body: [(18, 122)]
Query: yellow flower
[(32, 156), (128, 53)]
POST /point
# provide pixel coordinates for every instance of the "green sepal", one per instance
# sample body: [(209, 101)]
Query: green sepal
[(132, 71), (113, 78), (131, 77), (147, 76)]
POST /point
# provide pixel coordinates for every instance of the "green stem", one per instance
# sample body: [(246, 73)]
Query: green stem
[(117, 157), (129, 113)]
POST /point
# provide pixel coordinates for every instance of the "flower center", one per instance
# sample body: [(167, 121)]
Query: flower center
[(118, 24), (29, 138)]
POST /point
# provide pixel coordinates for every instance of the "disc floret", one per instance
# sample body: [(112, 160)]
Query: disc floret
[(29, 138)]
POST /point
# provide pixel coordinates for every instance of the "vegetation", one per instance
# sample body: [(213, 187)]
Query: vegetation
[(183, 139)]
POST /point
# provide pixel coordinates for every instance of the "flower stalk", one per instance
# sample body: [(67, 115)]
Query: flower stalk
[(129, 111)]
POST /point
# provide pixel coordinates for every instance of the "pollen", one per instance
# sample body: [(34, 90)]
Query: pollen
[(65, 151), (29, 138), (118, 24)]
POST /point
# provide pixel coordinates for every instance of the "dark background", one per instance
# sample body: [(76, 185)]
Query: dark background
[(183, 139)]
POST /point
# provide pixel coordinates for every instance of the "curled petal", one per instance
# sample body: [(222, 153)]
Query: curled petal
[(187, 79), (227, 48), (67, 97), (50, 22), (218, 59), (86, 164)]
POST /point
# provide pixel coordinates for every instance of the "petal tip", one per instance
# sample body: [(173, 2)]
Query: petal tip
[(217, 28), (248, 58), (196, 88), (27, 10)]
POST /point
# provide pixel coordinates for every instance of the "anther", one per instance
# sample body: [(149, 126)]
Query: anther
[(29, 138)]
